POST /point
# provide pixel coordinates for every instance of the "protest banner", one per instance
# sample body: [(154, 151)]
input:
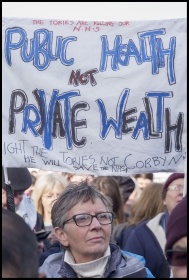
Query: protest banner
[(94, 97)]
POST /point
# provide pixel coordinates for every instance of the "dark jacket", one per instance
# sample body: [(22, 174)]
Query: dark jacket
[(54, 248), (148, 240), (121, 233), (40, 223), (120, 265)]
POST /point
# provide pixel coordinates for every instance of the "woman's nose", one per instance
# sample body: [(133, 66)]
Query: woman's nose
[(55, 196), (95, 223)]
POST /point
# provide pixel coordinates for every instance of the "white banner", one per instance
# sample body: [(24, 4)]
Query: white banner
[(94, 97)]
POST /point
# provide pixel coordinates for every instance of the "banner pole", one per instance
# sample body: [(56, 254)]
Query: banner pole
[(9, 192), (185, 179)]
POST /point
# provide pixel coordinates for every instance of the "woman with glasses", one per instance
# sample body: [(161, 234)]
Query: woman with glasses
[(148, 238), (48, 187), (82, 218), (176, 240)]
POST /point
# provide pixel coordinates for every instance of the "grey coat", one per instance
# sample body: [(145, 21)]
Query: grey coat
[(120, 265)]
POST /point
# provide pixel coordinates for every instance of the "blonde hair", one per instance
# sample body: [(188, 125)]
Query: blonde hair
[(44, 184)]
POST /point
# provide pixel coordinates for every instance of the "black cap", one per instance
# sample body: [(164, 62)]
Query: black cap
[(20, 178), (42, 234)]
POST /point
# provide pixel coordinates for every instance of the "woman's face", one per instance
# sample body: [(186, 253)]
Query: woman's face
[(86, 243), (49, 197), (143, 183), (173, 197)]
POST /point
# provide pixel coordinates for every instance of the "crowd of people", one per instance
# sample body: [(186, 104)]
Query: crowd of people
[(77, 226)]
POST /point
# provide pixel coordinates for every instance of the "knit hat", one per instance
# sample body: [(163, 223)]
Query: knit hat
[(20, 178), (169, 180), (177, 224)]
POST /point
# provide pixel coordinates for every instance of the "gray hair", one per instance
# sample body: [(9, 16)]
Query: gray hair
[(71, 196)]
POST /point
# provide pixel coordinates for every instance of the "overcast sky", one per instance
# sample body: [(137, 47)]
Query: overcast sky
[(121, 11)]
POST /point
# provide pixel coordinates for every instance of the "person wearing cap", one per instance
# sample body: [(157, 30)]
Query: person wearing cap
[(148, 238), (176, 240), (20, 180), (54, 247)]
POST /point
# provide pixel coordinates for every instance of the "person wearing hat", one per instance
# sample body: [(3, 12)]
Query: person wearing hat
[(148, 238), (176, 240), (41, 237), (20, 180)]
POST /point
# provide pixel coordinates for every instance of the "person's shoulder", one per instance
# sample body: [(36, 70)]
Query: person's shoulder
[(52, 249), (133, 255), (135, 265), (158, 216), (52, 264), (54, 258), (139, 227), (155, 221)]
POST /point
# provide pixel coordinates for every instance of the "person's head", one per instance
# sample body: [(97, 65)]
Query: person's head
[(20, 179), (82, 218), (51, 238), (148, 205), (19, 248), (126, 185), (172, 192), (41, 236), (143, 180), (176, 239), (48, 187), (77, 178), (108, 186)]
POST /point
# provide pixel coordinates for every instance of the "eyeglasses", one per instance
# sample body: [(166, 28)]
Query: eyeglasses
[(83, 220), (176, 188), (177, 257)]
